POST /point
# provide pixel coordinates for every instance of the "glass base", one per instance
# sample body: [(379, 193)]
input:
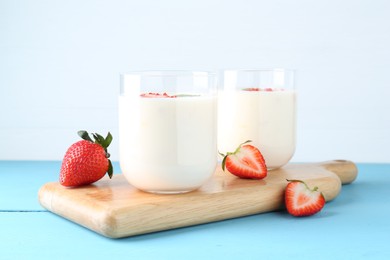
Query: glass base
[(169, 192), (274, 168)]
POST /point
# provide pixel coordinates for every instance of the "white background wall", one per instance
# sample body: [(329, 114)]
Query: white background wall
[(60, 63)]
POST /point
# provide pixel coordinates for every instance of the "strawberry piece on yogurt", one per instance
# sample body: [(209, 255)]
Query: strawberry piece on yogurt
[(263, 89), (252, 89), (157, 95)]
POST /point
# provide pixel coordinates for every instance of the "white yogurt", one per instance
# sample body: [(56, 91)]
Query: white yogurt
[(268, 118), (167, 145)]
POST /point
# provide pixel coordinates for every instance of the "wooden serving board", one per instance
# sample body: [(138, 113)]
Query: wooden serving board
[(115, 209)]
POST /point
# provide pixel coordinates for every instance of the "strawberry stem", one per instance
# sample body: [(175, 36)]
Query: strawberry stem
[(221, 154), (224, 163)]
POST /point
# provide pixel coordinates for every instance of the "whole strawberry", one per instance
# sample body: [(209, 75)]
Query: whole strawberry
[(86, 161), (302, 201), (245, 162)]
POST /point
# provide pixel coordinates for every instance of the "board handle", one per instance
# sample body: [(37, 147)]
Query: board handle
[(346, 170)]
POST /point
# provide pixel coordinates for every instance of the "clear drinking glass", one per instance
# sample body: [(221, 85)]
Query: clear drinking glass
[(168, 129), (258, 105)]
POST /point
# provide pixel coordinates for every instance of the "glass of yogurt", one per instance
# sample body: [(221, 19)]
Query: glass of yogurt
[(168, 129), (258, 105)]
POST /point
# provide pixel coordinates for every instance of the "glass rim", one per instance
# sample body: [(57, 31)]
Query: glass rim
[(170, 73), (261, 70)]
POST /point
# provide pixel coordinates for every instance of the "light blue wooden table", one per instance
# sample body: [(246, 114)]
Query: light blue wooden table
[(356, 225)]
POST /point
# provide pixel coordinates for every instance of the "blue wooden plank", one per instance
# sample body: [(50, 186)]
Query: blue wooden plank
[(353, 226), (334, 232)]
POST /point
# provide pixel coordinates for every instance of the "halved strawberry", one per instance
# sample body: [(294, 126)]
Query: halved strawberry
[(245, 162), (157, 95), (301, 200)]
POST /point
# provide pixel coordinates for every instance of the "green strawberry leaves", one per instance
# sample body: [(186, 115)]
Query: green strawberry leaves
[(84, 135), (104, 142), (110, 169)]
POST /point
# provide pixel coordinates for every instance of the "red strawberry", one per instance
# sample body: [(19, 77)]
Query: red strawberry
[(86, 161), (156, 95), (302, 201), (245, 162)]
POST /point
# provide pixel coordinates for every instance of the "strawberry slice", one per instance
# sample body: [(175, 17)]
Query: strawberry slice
[(245, 162), (301, 200), (156, 95)]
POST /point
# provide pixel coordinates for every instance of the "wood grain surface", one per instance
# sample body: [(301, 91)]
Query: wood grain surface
[(115, 209)]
